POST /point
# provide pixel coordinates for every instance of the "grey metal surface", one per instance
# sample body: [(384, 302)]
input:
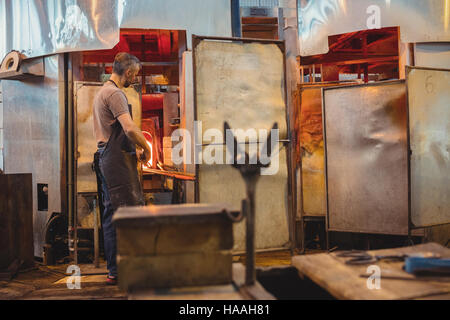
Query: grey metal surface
[(243, 84), (432, 55), (200, 17), (33, 115), (187, 121), (429, 122), (42, 27), (366, 158), (419, 20)]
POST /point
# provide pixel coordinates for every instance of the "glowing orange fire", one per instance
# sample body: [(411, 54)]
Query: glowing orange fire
[(149, 139)]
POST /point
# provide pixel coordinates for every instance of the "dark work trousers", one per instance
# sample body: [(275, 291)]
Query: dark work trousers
[(120, 184), (109, 231)]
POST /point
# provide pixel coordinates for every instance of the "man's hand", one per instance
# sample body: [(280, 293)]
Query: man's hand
[(146, 155), (143, 155)]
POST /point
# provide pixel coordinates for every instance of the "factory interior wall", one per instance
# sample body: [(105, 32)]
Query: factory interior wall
[(33, 118)]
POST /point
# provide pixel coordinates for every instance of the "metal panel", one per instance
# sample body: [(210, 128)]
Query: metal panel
[(42, 27), (16, 220), (206, 18), (312, 152), (429, 122), (244, 83), (86, 143), (187, 121), (366, 158), (33, 111), (432, 55), (419, 20)]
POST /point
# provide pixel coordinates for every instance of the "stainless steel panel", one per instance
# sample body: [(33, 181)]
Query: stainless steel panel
[(86, 143), (419, 20), (366, 158), (243, 83), (187, 121), (42, 27), (33, 111), (432, 55), (206, 18), (429, 122)]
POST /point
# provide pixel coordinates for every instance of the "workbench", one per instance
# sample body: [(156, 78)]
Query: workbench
[(350, 281)]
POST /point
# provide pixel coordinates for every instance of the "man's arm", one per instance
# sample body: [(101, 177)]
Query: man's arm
[(134, 134)]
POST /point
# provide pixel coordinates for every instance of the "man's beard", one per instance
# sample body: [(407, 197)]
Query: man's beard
[(127, 84)]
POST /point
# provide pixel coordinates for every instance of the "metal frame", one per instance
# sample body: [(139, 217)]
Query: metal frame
[(411, 227), (326, 149), (289, 150), (303, 216), (76, 86)]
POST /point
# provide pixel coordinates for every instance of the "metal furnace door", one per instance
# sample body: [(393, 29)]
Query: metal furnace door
[(243, 82), (366, 158), (429, 129)]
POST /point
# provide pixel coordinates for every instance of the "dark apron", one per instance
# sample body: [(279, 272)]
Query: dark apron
[(118, 164)]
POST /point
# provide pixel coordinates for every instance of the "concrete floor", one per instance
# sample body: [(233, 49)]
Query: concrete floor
[(50, 282)]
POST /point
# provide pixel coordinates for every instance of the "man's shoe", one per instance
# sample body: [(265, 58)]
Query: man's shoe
[(111, 281)]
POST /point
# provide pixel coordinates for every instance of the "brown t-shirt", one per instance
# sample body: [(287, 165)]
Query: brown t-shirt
[(109, 103)]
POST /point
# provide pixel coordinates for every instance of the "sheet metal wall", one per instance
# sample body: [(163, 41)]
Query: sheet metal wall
[(429, 122), (42, 27), (33, 118), (243, 83), (366, 158), (200, 17), (419, 20), (432, 55)]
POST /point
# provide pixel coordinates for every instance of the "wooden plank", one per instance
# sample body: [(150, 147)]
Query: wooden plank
[(345, 281)]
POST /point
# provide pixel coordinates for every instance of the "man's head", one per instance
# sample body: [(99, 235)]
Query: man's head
[(126, 67)]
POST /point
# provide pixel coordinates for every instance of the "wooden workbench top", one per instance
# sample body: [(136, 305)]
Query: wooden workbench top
[(350, 281)]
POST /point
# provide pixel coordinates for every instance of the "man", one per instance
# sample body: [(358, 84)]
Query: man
[(117, 137)]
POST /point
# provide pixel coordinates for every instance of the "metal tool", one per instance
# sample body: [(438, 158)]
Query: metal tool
[(358, 257), (250, 171)]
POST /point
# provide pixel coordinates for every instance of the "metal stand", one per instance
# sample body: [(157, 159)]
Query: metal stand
[(96, 210), (250, 171)]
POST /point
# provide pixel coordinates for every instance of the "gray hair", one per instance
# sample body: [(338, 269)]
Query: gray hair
[(123, 61)]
